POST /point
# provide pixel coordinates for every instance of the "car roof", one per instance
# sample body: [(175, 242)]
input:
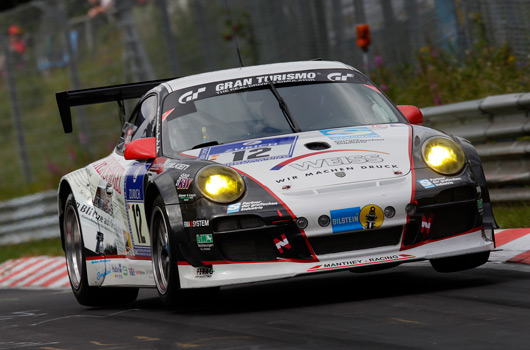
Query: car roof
[(242, 72)]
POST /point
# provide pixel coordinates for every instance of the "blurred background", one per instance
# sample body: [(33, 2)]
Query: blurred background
[(422, 52)]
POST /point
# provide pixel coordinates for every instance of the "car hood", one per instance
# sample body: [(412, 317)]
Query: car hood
[(317, 159)]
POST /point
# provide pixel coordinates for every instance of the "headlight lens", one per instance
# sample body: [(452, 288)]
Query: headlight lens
[(220, 184), (443, 155)]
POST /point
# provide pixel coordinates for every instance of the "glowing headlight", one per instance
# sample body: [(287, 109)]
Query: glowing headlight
[(443, 156), (220, 184)]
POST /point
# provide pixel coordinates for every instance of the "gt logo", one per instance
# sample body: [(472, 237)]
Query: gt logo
[(284, 243), (339, 76), (190, 95)]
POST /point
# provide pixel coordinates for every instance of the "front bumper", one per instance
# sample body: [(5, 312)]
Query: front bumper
[(263, 245)]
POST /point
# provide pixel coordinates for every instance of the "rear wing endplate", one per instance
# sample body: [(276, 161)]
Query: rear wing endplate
[(118, 93)]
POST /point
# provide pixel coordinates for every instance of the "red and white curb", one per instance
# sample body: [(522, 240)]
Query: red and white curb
[(513, 246), (35, 273)]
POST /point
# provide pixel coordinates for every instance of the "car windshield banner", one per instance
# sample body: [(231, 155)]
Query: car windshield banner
[(182, 99)]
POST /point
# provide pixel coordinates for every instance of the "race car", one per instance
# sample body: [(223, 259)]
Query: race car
[(261, 173)]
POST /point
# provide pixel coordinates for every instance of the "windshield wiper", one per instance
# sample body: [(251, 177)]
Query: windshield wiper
[(206, 144), (283, 106)]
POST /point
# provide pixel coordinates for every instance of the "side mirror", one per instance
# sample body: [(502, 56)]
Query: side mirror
[(141, 149), (412, 113)]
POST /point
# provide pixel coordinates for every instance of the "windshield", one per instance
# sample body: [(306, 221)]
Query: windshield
[(255, 113)]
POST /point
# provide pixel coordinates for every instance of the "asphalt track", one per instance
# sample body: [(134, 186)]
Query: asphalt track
[(408, 307)]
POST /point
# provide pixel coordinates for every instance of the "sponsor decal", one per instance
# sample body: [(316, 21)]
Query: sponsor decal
[(233, 208), (361, 262), (176, 166), (282, 243), (116, 268), (249, 206), (353, 135), (100, 261), (334, 161), (190, 96), (184, 182), (205, 241), (101, 275), (134, 197), (439, 182), (185, 197), (161, 164), (339, 76), (197, 223), (426, 222), (111, 171), (205, 238), (343, 220), (250, 151), (352, 132), (249, 82), (204, 272), (426, 183), (356, 159), (353, 219), (371, 216)]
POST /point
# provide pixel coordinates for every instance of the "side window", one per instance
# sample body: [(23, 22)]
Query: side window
[(145, 121), (141, 123)]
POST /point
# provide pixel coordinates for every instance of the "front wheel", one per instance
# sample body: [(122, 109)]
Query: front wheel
[(460, 262), (76, 265), (165, 260)]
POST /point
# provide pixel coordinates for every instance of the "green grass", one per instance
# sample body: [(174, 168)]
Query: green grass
[(512, 215), (49, 247)]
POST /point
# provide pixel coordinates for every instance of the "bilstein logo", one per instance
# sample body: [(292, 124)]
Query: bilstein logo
[(190, 95), (339, 76)]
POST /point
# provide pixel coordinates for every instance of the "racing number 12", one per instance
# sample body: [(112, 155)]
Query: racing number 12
[(253, 154), (137, 213)]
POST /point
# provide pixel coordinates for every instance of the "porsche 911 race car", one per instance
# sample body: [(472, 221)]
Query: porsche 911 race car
[(261, 173)]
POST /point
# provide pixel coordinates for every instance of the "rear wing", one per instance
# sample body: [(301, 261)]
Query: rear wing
[(118, 93)]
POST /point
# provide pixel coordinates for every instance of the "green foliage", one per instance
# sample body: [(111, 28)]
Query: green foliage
[(441, 77)]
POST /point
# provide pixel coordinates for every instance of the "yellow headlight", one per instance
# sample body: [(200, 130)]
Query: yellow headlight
[(443, 156), (220, 184)]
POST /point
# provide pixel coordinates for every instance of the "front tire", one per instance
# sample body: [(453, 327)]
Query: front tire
[(76, 265), (460, 262), (165, 261)]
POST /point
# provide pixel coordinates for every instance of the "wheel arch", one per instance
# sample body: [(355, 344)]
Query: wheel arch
[(164, 186), (476, 166), (62, 194)]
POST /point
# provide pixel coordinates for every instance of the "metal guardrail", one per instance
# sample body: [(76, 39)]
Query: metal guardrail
[(30, 217), (499, 127), (496, 125)]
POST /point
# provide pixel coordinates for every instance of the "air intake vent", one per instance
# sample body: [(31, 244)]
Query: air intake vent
[(317, 146)]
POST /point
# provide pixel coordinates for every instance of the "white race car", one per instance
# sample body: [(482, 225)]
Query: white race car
[(261, 173)]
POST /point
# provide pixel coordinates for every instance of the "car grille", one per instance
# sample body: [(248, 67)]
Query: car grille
[(446, 221), (356, 240), (246, 246)]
